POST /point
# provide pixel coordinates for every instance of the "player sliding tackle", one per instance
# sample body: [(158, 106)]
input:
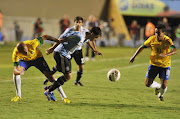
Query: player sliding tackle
[(162, 48), (62, 53), (25, 55)]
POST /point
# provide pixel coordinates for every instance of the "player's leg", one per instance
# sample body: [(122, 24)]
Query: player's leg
[(164, 77), (17, 83), (87, 53), (63, 65), (24, 65), (60, 81), (149, 82), (79, 75), (150, 76), (163, 89), (53, 71), (78, 57), (42, 65)]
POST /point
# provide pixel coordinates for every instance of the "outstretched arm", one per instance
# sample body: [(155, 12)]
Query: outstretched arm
[(136, 53), (92, 45), (50, 38), (51, 49)]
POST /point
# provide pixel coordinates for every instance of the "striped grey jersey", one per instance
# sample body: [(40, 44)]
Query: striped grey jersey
[(74, 38), (83, 31)]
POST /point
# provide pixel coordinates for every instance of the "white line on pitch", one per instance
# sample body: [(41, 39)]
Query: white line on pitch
[(125, 67)]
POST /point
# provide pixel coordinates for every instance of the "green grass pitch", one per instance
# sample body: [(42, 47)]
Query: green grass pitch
[(100, 98)]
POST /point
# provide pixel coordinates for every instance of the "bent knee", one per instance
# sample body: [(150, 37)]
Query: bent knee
[(81, 68), (163, 86), (68, 76), (51, 80), (147, 84)]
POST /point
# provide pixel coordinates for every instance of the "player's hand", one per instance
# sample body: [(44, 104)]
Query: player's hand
[(49, 51), (131, 60), (98, 53), (22, 72), (162, 55)]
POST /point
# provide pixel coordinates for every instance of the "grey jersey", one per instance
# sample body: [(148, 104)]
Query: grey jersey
[(74, 38), (83, 31)]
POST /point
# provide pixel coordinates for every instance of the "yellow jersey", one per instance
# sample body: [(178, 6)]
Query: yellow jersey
[(158, 48), (33, 51)]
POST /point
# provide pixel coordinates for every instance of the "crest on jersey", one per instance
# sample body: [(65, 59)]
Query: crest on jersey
[(31, 52)]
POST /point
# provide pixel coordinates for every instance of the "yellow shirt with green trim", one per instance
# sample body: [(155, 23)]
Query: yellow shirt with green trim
[(33, 51), (158, 48)]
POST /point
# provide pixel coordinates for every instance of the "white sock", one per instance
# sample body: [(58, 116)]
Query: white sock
[(155, 85), (17, 83), (162, 91), (61, 92)]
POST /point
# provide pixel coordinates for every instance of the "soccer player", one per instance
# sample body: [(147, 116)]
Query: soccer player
[(62, 53), (25, 55), (77, 55), (162, 48)]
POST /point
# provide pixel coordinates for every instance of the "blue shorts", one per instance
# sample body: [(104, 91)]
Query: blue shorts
[(39, 63), (152, 72)]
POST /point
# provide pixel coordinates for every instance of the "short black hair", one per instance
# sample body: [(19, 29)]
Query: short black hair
[(20, 46), (96, 31), (78, 18), (161, 27)]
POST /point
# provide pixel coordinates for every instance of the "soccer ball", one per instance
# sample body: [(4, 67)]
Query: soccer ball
[(113, 75)]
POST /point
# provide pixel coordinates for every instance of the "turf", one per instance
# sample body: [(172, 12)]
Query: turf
[(99, 98)]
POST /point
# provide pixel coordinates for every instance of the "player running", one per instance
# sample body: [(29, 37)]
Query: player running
[(62, 53), (25, 55), (77, 55), (162, 48)]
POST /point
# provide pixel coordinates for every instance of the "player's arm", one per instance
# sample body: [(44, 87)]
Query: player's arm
[(17, 70), (15, 60), (50, 38), (92, 45), (61, 39), (172, 49), (146, 44), (51, 49), (172, 52), (136, 53)]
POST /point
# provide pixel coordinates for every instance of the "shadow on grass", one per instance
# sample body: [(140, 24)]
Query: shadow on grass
[(121, 106)]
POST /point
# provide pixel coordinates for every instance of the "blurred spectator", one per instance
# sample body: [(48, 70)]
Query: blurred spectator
[(1, 38), (134, 31), (96, 21), (166, 24), (107, 29), (1, 17), (177, 32), (64, 23), (150, 27), (18, 31), (38, 26), (91, 22)]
